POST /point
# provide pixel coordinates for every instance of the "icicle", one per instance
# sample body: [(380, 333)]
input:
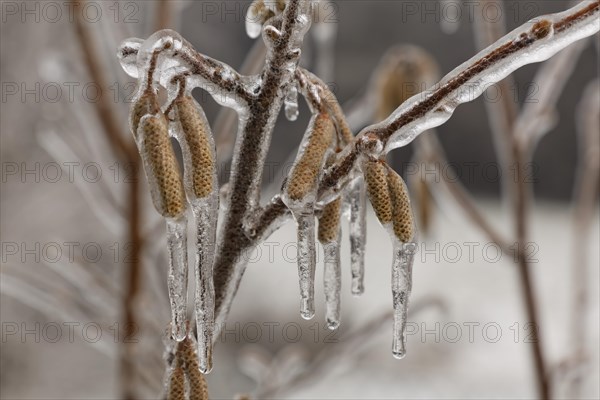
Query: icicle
[(178, 274), (299, 195), (329, 237), (401, 288), (200, 180), (358, 234), (204, 302), (291, 103), (306, 262)]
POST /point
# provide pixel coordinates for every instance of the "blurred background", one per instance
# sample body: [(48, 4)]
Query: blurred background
[(66, 209)]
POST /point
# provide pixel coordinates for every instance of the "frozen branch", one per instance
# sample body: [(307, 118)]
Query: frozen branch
[(525, 45)]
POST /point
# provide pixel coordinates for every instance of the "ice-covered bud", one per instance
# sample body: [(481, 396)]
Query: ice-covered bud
[(127, 54), (259, 12), (369, 144)]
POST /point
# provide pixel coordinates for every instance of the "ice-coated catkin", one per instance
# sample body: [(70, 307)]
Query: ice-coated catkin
[(176, 389), (402, 215), (375, 173), (147, 104), (168, 197), (197, 137), (302, 180), (299, 195), (329, 222), (201, 182), (161, 167)]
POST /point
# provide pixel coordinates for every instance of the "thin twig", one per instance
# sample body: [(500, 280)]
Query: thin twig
[(127, 151), (584, 205)]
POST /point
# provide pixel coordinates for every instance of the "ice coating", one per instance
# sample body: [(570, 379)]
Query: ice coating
[(401, 287), (291, 103), (531, 43), (178, 275), (357, 198), (127, 55), (204, 299)]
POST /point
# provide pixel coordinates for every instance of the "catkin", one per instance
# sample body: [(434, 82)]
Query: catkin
[(161, 166), (198, 386), (377, 187), (197, 135), (176, 384), (147, 104), (329, 222), (405, 71), (306, 170), (402, 213)]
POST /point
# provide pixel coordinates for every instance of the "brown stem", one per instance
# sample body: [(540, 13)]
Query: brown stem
[(248, 162), (521, 213), (126, 151), (163, 15)]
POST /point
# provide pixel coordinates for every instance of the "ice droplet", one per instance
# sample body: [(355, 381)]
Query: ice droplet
[(178, 275), (401, 288), (127, 54)]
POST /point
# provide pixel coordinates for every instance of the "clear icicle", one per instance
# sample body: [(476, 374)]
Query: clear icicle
[(178, 274), (332, 277), (358, 234), (306, 262), (204, 301), (401, 288), (291, 103)]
